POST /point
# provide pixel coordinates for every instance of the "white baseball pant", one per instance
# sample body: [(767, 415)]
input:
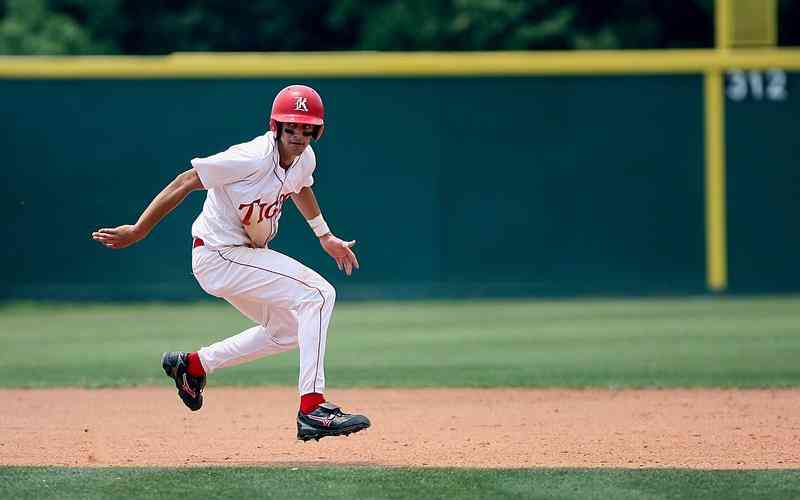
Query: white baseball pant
[(291, 303)]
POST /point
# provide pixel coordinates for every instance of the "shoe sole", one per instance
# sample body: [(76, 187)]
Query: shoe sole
[(317, 435), (192, 405), (167, 368)]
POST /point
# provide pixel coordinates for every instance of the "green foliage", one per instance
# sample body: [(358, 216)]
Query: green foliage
[(622, 343), (101, 18), (136, 27), (29, 27), (385, 483), (530, 24)]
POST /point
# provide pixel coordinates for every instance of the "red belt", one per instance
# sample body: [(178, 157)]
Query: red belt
[(197, 243)]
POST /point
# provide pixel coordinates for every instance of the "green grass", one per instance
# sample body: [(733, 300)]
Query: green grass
[(724, 342), (621, 343), (365, 483)]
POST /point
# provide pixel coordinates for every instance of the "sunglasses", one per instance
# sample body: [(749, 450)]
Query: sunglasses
[(305, 133)]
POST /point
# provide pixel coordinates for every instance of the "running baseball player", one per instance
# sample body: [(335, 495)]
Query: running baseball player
[(292, 305)]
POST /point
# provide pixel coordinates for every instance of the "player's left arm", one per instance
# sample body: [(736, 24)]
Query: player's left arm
[(340, 250)]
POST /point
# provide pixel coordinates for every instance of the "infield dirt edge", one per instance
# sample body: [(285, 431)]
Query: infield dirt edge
[(481, 428)]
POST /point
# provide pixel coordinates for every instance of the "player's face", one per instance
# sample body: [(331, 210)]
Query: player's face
[(296, 136)]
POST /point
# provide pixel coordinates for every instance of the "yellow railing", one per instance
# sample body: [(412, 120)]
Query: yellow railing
[(392, 64)]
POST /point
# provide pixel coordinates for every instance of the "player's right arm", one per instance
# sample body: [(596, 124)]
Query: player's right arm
[(169, 198)]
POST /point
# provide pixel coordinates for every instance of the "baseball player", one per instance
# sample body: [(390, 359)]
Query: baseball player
[(292, 305)]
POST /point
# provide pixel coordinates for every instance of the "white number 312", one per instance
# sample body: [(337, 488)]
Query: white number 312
[(759, 85)]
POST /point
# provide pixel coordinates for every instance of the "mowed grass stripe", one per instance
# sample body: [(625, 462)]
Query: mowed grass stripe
[(686, 342), (380, 483)]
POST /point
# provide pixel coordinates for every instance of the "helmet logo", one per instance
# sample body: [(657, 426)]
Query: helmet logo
[(300, 103)]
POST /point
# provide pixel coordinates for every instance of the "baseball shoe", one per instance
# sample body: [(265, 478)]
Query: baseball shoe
[(190, 388), (328, 420)]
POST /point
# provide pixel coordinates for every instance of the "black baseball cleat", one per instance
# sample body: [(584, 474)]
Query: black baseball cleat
[(328, 420), (190, 388)]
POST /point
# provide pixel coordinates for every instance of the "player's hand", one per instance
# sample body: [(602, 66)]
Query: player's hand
[(118, 237), (341, 251)]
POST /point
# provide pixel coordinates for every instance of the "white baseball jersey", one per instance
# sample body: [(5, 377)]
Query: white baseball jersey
[(291, 303), (246, 190)]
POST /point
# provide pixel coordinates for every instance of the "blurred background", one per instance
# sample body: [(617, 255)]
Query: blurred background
[(545, 193), (154, 27), (570, 162)]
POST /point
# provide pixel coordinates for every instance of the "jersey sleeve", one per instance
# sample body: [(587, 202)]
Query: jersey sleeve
[(224, 168), (309, 165)]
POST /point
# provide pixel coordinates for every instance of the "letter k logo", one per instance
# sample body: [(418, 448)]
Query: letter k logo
[(300, 103)]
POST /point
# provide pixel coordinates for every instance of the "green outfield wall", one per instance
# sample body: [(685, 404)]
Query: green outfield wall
[(453, 186), (763, 195)]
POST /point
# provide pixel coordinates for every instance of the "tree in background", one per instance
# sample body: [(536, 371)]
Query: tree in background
[(30, 27), (158, 27), (789, 23), (531, 24)]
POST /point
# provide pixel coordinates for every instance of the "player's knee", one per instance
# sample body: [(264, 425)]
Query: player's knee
[(321, 294), (326, 295), (329, 293)]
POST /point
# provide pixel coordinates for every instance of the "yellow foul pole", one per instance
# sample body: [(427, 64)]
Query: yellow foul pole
[(716, 231), (716, 251)]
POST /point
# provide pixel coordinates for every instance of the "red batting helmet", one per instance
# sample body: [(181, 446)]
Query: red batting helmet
[(298, 104)]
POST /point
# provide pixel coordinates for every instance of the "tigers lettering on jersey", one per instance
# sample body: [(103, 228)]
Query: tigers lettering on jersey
[(266, 211), (246, 191)]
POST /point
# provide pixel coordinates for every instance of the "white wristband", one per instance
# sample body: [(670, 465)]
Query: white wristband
[(319, 226)]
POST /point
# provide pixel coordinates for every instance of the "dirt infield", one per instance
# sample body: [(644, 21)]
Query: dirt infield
[(719, 429)]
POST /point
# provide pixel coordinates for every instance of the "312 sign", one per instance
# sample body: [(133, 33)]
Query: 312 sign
[(769, 85)]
